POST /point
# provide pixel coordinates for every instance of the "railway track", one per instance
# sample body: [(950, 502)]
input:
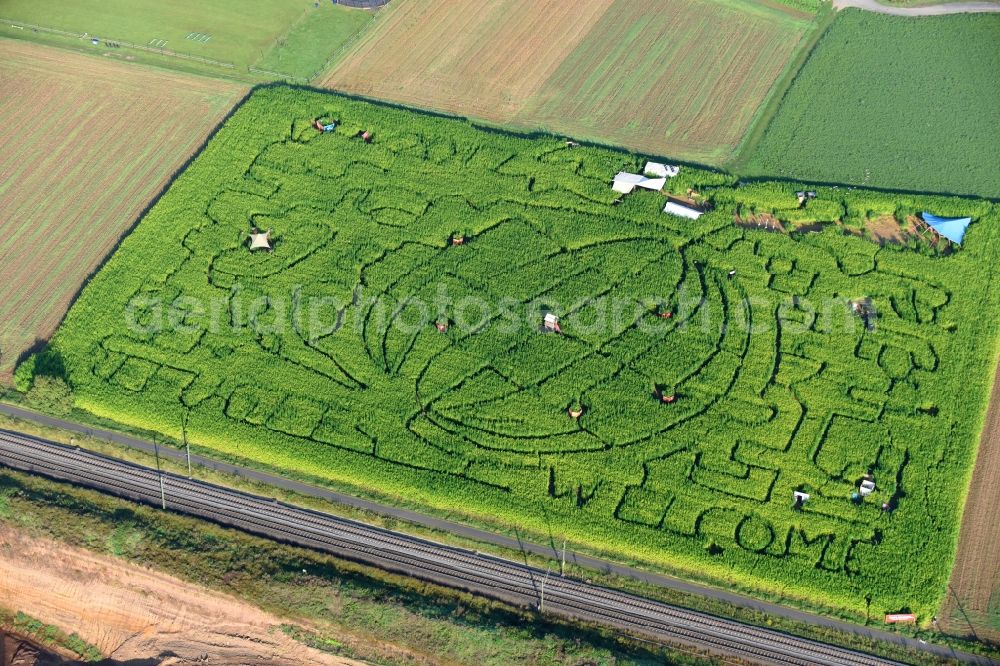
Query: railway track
[(490, 576)]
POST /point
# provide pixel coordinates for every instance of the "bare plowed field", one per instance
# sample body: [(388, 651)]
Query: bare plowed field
[(971, 605), (87, 143), (684, 79)]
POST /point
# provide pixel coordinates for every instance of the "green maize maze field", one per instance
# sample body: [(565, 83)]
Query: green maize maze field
[(371, 350)]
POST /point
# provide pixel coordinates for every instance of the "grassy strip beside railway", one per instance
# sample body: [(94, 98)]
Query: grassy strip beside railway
[(672, 596), (348, 608)]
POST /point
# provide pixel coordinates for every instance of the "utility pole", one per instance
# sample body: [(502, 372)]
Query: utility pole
[(187, 445), (159, 472), (541, 591), (562, 565)]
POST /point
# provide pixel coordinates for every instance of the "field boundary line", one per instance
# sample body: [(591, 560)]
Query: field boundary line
[(497, 539)]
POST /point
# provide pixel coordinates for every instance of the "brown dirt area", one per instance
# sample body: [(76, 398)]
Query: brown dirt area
[(977, 567), (129, 612), (886, 229)]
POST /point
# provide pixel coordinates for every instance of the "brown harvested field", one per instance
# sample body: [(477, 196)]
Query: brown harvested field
[(970, 607), (683, 78), (132, 613), (87, 144)]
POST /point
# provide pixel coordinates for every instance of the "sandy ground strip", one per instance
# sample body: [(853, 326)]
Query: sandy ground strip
[(129, 612)]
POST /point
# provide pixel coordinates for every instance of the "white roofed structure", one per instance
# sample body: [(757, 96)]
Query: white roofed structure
[(682, 211), (260, 240), (626, 182), (661, 170)]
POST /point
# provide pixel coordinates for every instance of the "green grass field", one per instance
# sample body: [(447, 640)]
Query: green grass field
[(909, 104), (293, 38), (370, 351)]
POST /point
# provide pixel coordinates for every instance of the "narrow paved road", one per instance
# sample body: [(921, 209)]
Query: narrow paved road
[(929, 10), (482, 574), (550, 550)]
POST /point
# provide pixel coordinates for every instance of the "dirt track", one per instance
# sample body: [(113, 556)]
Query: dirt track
[(977, 566), (928, 10), (129, 612)]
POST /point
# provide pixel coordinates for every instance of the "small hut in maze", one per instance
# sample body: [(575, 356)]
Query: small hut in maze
[(625, 182), (550, 322), (802, 197), (867, 486), (683, 208), (260, 240), (655, 169)]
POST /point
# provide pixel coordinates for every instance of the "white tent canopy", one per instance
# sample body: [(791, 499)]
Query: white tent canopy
[(681, 211), (626, 182), (661, 170), (260, 240)]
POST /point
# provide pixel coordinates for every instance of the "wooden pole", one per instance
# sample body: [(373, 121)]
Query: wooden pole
[(541, 591), (163, 494)]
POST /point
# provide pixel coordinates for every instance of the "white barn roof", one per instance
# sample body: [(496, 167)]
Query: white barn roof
[(626, 182), (681, 211), (662, 170)]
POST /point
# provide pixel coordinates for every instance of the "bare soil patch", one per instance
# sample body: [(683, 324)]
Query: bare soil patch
[(886, 229), (129, 612), (976, 575)]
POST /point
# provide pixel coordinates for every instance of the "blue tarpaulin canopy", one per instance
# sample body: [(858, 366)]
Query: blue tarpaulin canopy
[(951, 228)]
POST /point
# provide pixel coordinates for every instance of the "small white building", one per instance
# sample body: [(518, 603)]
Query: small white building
[(661, 170), (551, 322), (626, 182), (260, 240), (681, 211), (866, 488)]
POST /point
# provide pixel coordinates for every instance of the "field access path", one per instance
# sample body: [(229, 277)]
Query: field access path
[(928, 10), (550, 550)]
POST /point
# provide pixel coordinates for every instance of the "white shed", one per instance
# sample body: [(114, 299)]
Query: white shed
[(681, 211), (260, 240), (661, 170), (626, 182)]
